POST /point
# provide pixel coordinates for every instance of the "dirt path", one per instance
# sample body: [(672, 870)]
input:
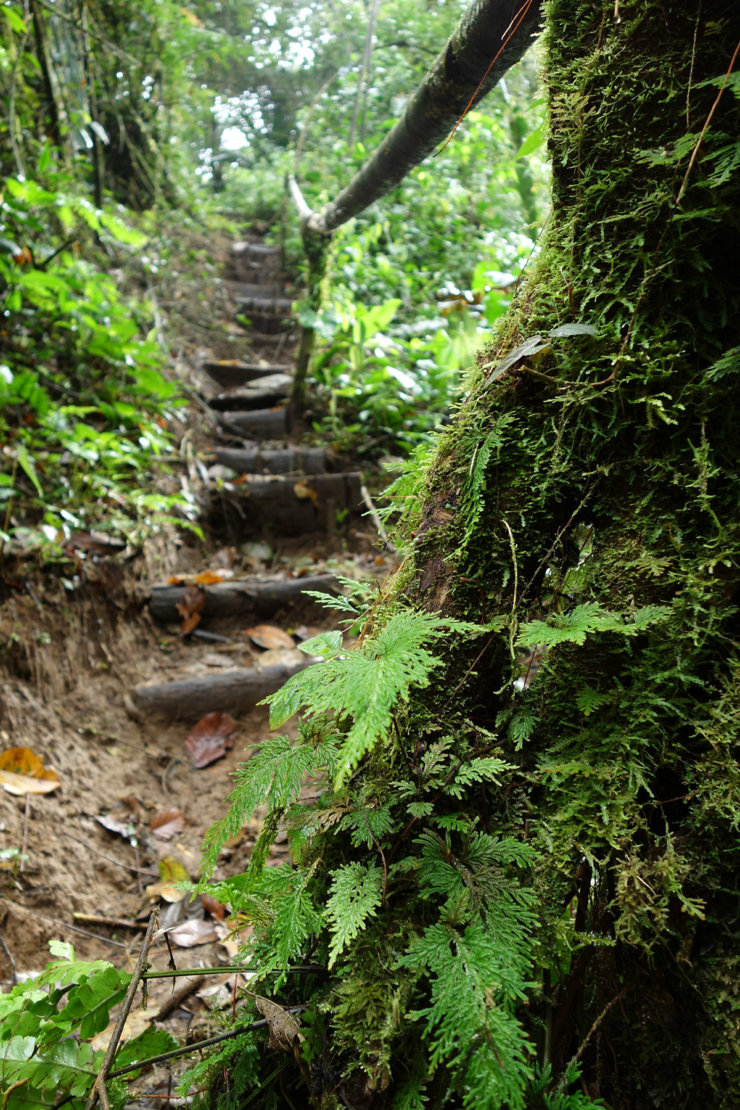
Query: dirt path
[(106, 674)]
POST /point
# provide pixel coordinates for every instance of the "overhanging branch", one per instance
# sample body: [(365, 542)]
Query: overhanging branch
[(491, 36)]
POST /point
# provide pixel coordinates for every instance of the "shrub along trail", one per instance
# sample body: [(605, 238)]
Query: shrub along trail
[(137, 681)]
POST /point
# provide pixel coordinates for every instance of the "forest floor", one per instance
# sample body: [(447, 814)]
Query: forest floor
[(90, 865)]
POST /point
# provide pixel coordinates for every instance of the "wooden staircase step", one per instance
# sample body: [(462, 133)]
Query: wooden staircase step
[(261, 394), (281, 506), (254, 460), (231, 372), (273, 306), (260, 424), (244, 598)]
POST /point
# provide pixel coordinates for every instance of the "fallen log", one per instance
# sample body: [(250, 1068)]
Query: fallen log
[(234, 691), (247, 599)]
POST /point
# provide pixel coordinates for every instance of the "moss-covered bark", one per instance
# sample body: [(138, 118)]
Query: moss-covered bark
[(575, 904), (609, 464)]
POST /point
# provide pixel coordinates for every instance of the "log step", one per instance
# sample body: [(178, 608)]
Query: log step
[(231, 372), (260, 424), (274, 306), (232, 691), (309, 460), (266, 392), (263, 291), (246, 599), (279, 506)]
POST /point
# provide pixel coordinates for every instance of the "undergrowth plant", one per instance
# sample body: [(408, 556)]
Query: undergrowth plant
[(47, 1024), (85, 407), (394, 862)]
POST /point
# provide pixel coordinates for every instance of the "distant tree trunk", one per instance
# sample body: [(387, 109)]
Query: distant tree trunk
[(583, 506)]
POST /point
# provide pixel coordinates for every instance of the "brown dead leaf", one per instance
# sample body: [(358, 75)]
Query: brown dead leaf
[(189, 934), (211, 738), (269, 636), (167, 823), (124, 827), (190, 607), (304, 492), (23, 772), (212, 906), (284, 1029)]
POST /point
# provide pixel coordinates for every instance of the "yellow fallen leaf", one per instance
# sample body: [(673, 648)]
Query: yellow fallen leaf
[(26, 784), (304, 492)]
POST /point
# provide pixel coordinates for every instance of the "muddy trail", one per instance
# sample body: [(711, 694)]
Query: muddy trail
[(137, 678)]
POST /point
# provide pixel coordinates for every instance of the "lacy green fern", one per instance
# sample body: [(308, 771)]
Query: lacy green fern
[(586, 620), (362, 687), (356, 893)]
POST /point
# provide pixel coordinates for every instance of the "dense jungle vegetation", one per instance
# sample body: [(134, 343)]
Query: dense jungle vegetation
[(133, 133), (519, 884)]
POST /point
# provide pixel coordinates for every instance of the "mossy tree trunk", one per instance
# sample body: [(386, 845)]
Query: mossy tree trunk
[(537, 870), (602, 470)]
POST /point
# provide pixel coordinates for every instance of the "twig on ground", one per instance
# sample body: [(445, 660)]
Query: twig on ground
[(98, 1090), (24, 839), (191, 1049), (114, 922), (66, 925)]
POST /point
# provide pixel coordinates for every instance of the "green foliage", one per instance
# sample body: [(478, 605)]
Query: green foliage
[(84, 404), (588, 619), (46, 1024), (355, 895), (364, 687)]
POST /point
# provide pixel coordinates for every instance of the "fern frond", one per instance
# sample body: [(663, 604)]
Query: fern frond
[(368, 825), (275, 770), (587, 619), (364, 686), (470, 1023), (482, 769), (356, 892)]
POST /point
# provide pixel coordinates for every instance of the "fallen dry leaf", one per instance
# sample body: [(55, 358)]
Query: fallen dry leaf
[(189, 934), (211, 738), (212, 906), (167, 823), (190, 607), (171, 872), (284, 1029), (23, 772), (118, 825), (269, 636), (304, 492), (208, 578)]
